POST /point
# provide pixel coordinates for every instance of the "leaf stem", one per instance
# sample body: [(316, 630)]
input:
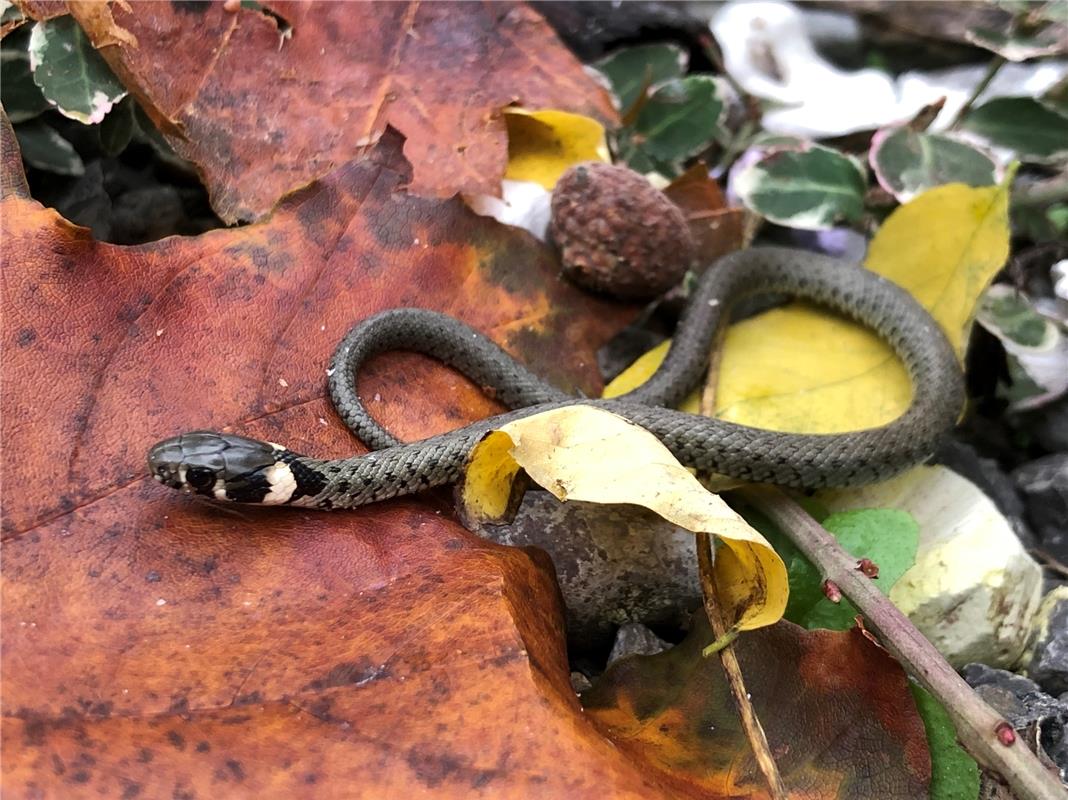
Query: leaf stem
[(1041, 193), (996, 63), (976, 723)]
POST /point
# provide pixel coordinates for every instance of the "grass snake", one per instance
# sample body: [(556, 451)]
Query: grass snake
[(235, 468)]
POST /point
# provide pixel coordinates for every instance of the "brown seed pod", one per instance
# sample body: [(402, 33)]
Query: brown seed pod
[(617, 233)]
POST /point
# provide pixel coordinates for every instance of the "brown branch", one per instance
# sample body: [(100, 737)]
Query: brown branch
[(985, 735)]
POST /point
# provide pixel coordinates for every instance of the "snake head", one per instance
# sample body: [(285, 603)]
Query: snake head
[(222, 466)]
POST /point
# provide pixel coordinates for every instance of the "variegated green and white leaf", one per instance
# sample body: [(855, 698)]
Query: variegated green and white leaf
[(45, 149), (71, 73), (809, 188), (908, 162)]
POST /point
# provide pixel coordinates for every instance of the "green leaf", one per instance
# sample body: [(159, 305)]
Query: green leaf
[(1035, 349), (680, 119), (117, 128), (71, 73), (631, 70), (21, 98), (1010, 313), (45, 149), (954, 774), (1023, 125), (1018, 45), (908, 162), (1041, 223), (808, 188), (886, 536)]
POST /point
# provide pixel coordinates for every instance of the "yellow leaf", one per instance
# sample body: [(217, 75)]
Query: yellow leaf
[(944, 247), (543, 144), (584, 453), (799, 369)]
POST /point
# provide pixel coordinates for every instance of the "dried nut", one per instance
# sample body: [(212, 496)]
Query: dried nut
[(618, 234)]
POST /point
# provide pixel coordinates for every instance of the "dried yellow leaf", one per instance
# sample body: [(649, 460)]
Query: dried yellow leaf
[(584, 453)]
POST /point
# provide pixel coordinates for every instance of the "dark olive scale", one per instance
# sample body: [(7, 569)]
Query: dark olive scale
[(789, 459)]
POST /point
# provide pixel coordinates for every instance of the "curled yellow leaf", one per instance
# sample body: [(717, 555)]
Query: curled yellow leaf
[(583, 453)]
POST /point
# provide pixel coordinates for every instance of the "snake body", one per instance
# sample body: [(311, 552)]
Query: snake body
[(231, 467)]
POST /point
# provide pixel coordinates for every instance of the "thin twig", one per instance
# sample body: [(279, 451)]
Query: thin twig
[(996, 63), (722, 636), (1041, 193), (711, 48), (983, 733), (1049, 562), (754, 731)]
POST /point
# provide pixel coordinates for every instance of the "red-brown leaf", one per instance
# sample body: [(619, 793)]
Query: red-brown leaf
[(161, 647), (261, 115), (837, 711)]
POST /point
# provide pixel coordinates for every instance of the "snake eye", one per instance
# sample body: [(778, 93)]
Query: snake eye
[(200, 477)]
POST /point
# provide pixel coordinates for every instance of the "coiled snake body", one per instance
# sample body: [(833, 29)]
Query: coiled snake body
[(235, 468)]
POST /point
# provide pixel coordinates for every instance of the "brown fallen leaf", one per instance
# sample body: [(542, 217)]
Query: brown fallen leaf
[(837, 710), (261, 114), (716, 228), (158, 647)]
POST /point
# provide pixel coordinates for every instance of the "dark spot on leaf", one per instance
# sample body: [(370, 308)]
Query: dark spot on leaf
[(145, 755), (80, 776), (33, 732), (235, 769), (322, 709), (203, 747), (189, 7), (433, 770), (26, 337), (504, 253), (176, 739)]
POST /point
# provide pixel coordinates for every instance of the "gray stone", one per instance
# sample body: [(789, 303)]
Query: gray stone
[(1049, 655), (614, 564), (1048, 425), (579, 682), (1043, 483), (634, 639), (1024, 705)]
